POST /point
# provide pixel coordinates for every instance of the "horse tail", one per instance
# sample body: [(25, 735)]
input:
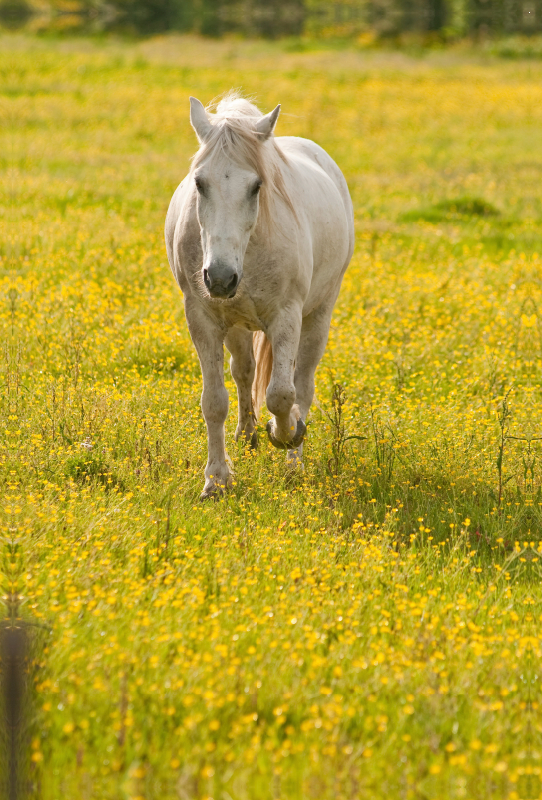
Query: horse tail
[(263, 353)]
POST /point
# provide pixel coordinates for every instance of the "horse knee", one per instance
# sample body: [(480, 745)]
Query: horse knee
[(214, 405), (280, 399)]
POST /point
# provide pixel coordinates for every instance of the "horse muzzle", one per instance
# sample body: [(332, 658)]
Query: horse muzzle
[(221, 281)]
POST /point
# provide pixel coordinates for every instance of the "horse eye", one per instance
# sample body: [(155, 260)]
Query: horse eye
[(199, 185), (257, 187)]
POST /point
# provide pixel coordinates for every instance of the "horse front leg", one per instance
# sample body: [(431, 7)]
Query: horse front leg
[(286, 429), (208, 340)]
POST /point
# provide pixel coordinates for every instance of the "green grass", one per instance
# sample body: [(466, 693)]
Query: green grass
[(370, 629)]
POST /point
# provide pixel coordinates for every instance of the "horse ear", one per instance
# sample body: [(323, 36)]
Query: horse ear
[(266, 125), (199, 119)]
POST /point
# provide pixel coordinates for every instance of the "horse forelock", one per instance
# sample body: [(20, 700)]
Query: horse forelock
[(234, 105), (234, 135)]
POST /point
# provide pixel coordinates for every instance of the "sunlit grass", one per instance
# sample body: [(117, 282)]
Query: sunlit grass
[(373, 626)]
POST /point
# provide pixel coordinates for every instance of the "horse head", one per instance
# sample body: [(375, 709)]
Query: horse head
[(228, 175)]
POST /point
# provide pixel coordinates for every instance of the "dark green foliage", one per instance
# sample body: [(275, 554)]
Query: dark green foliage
[(14, 13), (460, 208), (434, 20)]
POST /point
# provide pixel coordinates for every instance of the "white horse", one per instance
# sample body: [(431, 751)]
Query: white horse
[(258, 236)]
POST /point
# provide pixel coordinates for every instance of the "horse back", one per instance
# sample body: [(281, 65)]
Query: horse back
[(304, 153), (326, 217)]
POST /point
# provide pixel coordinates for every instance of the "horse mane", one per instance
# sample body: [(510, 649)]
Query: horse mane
[(234, 135)]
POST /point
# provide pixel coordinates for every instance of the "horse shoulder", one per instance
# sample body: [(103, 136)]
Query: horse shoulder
[(172, 216), (183, 243), (296, 148), (310, 156)]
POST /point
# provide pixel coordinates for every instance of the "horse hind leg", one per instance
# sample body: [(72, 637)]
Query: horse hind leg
[(312, 344), (242, 365), (286, 428)]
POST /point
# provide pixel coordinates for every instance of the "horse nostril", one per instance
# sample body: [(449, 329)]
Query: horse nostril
[(217, 283)]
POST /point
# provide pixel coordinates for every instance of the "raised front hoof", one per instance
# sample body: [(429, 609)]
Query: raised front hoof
[(300, 432)]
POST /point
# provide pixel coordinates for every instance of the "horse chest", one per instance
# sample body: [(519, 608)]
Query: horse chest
[(240, 313)]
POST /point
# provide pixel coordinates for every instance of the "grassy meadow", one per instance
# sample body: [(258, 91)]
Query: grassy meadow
[(371, 629)]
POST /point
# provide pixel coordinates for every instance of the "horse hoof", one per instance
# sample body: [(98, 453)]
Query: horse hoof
[(250, 441), (294, 462), (293, 475), (212, 493), (301, 430)]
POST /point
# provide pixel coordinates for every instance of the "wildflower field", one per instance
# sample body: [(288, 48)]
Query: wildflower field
[(371, 629)]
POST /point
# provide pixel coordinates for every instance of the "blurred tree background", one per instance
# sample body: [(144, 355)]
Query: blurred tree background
[(445, 19)]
